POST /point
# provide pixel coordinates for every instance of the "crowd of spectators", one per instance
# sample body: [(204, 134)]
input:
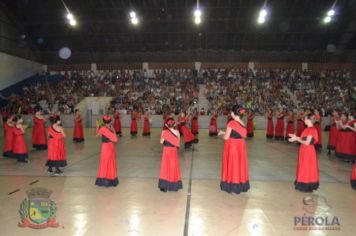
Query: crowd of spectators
[(258, 90), (156, 92), (172, 90)]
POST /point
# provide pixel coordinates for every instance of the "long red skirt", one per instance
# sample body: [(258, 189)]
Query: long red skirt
[(250, 128), (195, 126), (188, 137), (307, 177), (133, 127), (290, 129), (318, 145), (20, 148), (279, 131), (117, 125), (332, 137), (146, 127), (300, 127), (78, 133), (269, 132), (213, 128), (346, 145), (353, 177), (9, 141), (234, 174), (107, 173), (170, 177), (56, 156), (39, 140)]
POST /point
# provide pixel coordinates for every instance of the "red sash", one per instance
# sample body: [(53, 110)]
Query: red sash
[(108, 134), (170, 137), (238, 128)]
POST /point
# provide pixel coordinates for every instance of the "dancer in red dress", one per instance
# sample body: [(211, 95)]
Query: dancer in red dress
[(270, 129), (234, 175), (170, 177), (250, 127), (213, 127), (290, 125), (352, 127), (117, 122), (300, 122), (165, 118), (39, 140), (346, 138), (317, 125), (279, 130), (19, 147), (146, 125), (333, 132), (56, 156), (78, 133), (107, 173), (9, 136), (133, 127), (195, 123), (188, 137), (307, 177), (353, 177)]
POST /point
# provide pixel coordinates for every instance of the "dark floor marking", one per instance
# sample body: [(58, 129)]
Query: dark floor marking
[(14, 191), (187, 208), (36, 181)]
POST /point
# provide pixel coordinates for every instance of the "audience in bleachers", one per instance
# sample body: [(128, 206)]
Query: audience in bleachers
[(172, 90)]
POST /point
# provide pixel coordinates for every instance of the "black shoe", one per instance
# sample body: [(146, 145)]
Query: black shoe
[(58, 171), (50, 171), (329, 152), (163, 190)]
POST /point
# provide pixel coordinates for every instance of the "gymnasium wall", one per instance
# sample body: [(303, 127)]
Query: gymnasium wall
[(14, 69), (202, 65)]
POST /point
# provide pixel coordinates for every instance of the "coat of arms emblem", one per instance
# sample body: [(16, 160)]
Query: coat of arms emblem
[(38, 211)]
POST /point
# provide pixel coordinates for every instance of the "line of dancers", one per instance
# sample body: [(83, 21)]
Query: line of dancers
[(234, 174)]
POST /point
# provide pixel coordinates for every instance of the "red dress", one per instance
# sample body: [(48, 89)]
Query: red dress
[(19, 149), (317, 125), (107, 173), (250, 125), (117, 123), (279, 131), (332, 136), (78, 133), (170, 177), (234, 175), (39, 140), (56, 156), (300, 127), (133, 127), (188, 137), (307, 177), (165, 118), (195, 125), (346, 143), (290, 127), (146, 127), (213, 128), (353, 177), (269, 132), (9, 140)]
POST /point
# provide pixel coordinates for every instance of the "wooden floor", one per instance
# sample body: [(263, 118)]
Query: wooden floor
[(137, 207)]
